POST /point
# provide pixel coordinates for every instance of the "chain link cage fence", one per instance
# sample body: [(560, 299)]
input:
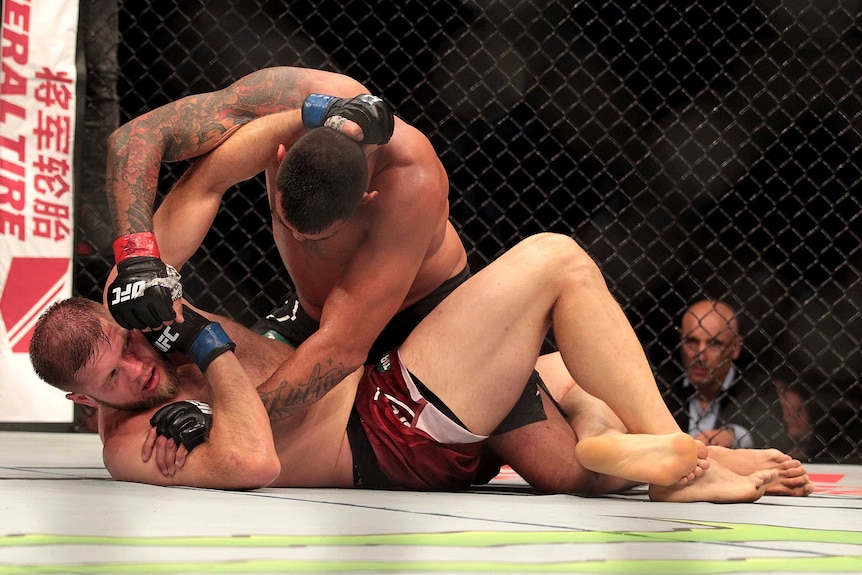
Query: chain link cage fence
[(696, 150)]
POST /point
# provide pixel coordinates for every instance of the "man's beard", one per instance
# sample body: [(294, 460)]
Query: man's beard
[(169, 386)]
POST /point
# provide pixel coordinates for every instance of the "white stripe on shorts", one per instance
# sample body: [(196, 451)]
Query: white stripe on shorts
[(433, 421)]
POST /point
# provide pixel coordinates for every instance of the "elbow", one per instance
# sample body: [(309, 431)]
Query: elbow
[(257, 470), (118, 136)]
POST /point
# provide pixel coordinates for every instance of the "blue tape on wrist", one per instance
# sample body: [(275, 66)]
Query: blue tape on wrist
[(211, 342), (313, 110)]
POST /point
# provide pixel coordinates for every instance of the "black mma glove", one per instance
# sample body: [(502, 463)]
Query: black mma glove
[(373, 115), (197, 337), (145, 287), (186, 422)]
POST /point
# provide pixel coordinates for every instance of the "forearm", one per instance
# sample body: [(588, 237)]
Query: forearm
[(236, 450), (185, 217), (181, 228), (240, 444), (314, 369), (239, 422), (132, 180), (181, 130), (258, 355)]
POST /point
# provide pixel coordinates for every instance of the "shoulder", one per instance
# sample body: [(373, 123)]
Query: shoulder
[(122, 432), (409, 141), (410, 160), (114, 422)]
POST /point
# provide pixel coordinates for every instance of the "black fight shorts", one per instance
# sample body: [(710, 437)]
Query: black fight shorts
[(291, 324)]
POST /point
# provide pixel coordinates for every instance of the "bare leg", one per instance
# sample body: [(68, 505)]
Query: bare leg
[(792, 477), (661, 459), (608, 360), (482, 342), (665, 460), (494, 325), (549, 462)]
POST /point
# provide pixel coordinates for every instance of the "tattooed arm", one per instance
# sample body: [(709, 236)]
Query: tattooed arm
[(263, 359), (283, 398), (193, 126)]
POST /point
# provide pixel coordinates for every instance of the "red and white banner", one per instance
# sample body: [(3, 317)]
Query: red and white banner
[(37, 127)]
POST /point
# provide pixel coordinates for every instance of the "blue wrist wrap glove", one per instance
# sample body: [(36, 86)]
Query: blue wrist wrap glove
[(197, 337), (373, 115)]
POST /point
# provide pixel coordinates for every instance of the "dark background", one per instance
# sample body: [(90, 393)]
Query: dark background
[(695, 149)]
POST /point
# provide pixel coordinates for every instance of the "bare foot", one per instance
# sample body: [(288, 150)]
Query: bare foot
[(718, 485), (792, 477), (745, 461), (656, 459), (792, 480)]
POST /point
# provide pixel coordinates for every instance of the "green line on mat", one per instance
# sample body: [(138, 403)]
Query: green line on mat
[(635, 567), (701, 531)]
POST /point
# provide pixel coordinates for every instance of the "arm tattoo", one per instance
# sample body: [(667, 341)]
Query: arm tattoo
[(182, 130), (287, 398)]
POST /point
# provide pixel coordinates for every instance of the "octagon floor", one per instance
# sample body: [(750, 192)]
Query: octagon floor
[(60, 512)]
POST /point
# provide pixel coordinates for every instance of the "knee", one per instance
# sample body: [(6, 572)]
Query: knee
[(566, 258), (555, 248)]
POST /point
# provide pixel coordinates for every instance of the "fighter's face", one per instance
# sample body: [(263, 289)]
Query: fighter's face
[(126, 372)]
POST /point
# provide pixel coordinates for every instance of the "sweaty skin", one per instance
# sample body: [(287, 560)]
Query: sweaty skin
[(381, 260), (397, 248), (490, 301), (394, 250)]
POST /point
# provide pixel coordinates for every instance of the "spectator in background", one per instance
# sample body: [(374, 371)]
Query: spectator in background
[(796, 413), (711, 399)]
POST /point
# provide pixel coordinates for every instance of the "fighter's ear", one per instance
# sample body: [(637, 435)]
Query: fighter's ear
[(280, 153), (83, 399), (736, 350), (368, 196)]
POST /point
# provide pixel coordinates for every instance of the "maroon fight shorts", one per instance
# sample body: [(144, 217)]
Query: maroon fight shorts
[(417, 445)]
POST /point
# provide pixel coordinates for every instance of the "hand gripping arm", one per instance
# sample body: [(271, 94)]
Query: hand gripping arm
[(373, 115)]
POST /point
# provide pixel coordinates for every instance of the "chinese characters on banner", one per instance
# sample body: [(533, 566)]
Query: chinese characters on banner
[(37, 127)]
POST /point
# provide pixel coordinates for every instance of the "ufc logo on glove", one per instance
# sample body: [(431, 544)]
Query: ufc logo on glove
[(128, 292), (166, 340)]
